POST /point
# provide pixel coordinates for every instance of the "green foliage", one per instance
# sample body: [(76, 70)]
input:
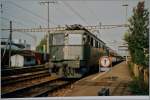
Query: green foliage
[(40, 47), (137, 89), (137, 36), (131, 69), (126, 36)]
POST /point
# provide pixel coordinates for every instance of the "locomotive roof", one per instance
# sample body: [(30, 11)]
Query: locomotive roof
[(79, 31)]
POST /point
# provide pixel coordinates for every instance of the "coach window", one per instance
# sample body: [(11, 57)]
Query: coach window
[(103, 47), (99, 44), (91, 43), (84, 39), (96, 44), (88, 40)]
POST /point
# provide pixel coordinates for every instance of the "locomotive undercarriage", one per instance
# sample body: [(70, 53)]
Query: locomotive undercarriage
[(66, 71)]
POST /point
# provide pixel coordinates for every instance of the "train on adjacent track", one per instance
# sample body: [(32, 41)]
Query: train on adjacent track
[(75, 52)]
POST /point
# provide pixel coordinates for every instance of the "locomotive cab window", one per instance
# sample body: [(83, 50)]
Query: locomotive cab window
[(75, 39), (58, 39)]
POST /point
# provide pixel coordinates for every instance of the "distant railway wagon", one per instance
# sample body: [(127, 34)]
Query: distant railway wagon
[(75, 51)]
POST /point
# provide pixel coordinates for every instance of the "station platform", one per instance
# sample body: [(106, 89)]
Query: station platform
[(117, 80)]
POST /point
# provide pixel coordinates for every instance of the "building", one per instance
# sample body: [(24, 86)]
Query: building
[(21, 60)]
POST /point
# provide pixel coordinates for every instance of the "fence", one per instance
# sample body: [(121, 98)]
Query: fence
[(139, 71)]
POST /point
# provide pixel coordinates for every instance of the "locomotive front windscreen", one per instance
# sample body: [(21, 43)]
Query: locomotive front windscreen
[(58, 39), (66, 46), (75, 39)]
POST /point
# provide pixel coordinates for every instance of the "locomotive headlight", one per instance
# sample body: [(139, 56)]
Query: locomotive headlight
[(77, 57), (66, 34), (54, 57), (84, 36)]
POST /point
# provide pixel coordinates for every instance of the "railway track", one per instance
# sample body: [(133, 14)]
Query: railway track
[(40, 89), (31, 84), (22, 77), (22, 70)]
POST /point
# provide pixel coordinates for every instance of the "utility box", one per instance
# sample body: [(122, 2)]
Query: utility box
[(104, 92)]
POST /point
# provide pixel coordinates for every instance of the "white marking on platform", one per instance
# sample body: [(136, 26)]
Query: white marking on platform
[(94, 78)]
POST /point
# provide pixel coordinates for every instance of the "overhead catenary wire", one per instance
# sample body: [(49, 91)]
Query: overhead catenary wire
[(75, 12), (82, 18), (90, 10), (29, 11), (63, 28), (94, 15), (26, 21), (19, 23)]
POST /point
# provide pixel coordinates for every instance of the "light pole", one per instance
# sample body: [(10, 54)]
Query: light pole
[(48, 5), (126, 9), (124, 47), (10, 41), (126, 6)]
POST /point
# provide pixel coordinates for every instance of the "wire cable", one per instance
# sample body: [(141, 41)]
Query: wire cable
[(33, 36), (90, 10), (75, 12), (17, 22), (29, 11)]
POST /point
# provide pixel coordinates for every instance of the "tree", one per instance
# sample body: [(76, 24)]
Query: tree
[(41, 45), (137, 36)]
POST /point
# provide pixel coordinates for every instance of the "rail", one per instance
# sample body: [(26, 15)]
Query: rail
[(39, 89)]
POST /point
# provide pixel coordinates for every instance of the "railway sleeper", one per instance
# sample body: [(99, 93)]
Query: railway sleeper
[(14, 94), (49, 87), (23, 78)]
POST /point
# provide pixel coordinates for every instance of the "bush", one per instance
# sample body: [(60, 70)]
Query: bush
[(137, 89), (130, 65)]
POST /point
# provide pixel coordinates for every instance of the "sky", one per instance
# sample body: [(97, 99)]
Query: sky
[(32, 14)]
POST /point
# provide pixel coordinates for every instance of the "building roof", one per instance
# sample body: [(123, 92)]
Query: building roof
[(15, 44)]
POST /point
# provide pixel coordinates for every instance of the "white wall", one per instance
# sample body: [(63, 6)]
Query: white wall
[(17, 61)]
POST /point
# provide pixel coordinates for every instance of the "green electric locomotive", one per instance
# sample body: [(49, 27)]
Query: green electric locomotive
[(75, 52)]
